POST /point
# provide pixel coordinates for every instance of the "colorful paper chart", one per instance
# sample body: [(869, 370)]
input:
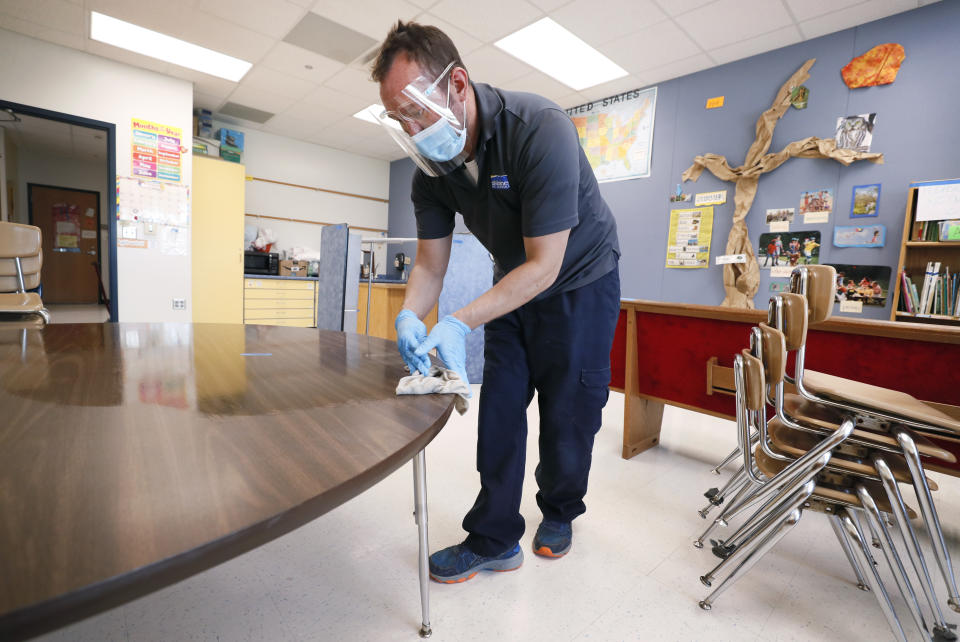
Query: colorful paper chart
[(155, 151), (688, 244)]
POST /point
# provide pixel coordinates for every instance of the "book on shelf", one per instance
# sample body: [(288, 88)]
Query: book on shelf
[(939, 293), (936, 231)]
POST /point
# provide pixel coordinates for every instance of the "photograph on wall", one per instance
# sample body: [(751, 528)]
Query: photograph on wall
[(788, 249), (859, 235), (869, 284), (782, 215), (855, 132), (865, 200), (816, 202)]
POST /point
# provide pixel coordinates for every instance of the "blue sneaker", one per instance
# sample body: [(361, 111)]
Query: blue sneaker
[(553, 539), (458, 563)]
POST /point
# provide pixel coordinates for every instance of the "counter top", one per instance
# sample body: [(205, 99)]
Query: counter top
[(285, 278)]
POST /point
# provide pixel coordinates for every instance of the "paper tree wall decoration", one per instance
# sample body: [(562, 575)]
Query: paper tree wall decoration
[(741, 281)]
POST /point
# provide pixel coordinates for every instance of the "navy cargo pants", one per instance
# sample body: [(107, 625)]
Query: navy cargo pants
[(560, 347)]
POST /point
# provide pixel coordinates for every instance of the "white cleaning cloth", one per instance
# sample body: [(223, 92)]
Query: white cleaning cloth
[(439, 381)]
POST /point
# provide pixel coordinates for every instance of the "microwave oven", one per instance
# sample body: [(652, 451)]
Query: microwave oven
[(261, 263)]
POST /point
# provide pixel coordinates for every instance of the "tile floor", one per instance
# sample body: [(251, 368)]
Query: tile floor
[(631, 575)]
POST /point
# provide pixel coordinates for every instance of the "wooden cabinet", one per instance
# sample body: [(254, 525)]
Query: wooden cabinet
[(289, 302), (386, 301), (914, 256), (217, 241)]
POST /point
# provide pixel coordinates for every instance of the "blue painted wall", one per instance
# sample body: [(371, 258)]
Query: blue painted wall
[(916, 130)]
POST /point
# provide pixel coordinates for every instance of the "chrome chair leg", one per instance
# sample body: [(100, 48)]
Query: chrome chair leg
[(910, 541), (778, 531), (845, 544), (741, 495), (758, 536), (879, 529), (420, 515), (929, 512), (716, 496), (733, 455), (862, 553)]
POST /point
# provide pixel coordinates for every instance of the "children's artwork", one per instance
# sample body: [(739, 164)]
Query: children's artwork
[(66, 218), (859, 235), (819, 201), (879, 66), (688, 244), (679, 196), (799, 97), (855, 132), (791, 249), (865, 200), (867, 283), (783, 215)]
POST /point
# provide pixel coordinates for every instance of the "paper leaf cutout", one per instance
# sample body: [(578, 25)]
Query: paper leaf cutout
[(879, 66)]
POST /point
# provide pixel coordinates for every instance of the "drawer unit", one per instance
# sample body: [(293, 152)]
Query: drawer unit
[(287, 302)]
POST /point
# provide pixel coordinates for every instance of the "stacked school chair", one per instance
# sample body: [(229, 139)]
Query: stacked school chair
[(835, 446), (21, 258)]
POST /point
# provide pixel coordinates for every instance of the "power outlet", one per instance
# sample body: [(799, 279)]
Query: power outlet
[(179, 304)]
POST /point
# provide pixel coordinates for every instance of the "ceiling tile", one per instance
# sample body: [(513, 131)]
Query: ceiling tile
[(291, 127), (491, 65), (373, 18), (549, 5), (52, 14), (595, 27), (572, 100), (650, 47), (355, 82), (538, 83), (678, 7), (854, 16), (262, 100), (274, 18), (489, 20), (679, 68), (321, 35), (275, 82), (807, 9), (202, 82), (464, 42), (294, 61), (332, 101), (612, 88), (34, 30), (124, 56), (166, 17), (215, 33), (760, 44), (213, 103), (728, 21)]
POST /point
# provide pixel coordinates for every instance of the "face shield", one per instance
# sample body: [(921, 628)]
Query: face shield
[(429, 123)]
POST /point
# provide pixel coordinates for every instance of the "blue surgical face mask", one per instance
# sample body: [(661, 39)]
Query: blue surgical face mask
[(440, 142)]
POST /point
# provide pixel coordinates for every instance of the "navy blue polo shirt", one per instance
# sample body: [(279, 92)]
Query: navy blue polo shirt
[(534, 180)]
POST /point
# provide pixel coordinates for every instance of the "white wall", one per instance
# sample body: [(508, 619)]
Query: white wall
[(46, 168), (292, 161), (48, 76)]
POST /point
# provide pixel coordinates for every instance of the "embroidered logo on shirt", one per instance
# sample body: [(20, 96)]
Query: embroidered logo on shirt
[(499, 181)]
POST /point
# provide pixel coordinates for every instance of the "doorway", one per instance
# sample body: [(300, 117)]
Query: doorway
[(65, 183)]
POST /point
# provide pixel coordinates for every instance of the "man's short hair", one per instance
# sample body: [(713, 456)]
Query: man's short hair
[(426, 45)]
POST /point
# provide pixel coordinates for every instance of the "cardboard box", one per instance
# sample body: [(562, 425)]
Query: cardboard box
[(294, 268), (206, 147), (203, 123), (231, 137)]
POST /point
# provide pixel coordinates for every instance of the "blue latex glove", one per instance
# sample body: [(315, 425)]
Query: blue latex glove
[(410, 334), (449, 337)]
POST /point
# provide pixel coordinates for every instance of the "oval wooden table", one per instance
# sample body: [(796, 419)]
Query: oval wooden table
[(135, 455)]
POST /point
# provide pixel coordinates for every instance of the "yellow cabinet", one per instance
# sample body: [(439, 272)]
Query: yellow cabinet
[(289, 302), (217, 241)]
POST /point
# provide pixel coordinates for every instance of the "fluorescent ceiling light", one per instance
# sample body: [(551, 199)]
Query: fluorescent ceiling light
[(560, 54), (370, 114), (129, 36)]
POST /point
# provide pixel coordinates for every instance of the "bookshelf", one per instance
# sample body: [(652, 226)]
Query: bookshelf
[(914, 257)]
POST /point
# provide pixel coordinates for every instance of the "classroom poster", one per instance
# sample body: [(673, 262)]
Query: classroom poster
[(688, 243), (155, 151)]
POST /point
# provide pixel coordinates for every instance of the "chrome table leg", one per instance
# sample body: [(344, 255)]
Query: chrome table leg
[(420, 515)]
